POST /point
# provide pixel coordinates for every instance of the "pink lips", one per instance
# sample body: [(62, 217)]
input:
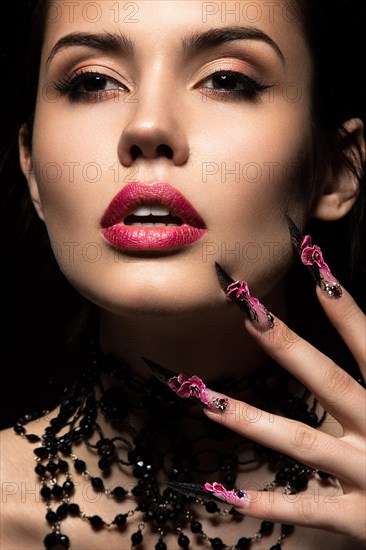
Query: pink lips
[(131, 237)]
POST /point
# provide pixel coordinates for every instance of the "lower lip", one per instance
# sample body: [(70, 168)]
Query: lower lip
[(131, 237)]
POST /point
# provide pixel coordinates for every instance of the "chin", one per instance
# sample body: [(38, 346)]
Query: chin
[(149, 303)]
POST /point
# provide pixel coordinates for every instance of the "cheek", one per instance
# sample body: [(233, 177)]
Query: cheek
[(72, 169), (257, 177)]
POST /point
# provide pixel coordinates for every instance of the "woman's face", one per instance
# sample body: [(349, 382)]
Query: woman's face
[(159, 100)]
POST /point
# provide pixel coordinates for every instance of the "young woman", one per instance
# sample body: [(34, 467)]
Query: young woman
[(176, 151)]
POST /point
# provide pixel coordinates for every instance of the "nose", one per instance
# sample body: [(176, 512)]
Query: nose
[(154, 129)]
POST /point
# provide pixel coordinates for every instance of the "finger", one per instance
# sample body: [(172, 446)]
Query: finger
[(335, 513), (350, 322), (337, 391), (308, 445)]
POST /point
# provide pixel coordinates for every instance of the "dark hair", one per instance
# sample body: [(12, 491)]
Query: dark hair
[(334, 30)]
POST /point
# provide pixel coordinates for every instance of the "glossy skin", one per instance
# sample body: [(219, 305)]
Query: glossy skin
[(161, 121), (166, 101)]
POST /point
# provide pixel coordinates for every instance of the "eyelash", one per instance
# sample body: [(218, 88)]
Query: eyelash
[(69, 87), (251, 89)]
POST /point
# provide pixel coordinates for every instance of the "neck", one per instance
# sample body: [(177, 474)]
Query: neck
[(210, 344)]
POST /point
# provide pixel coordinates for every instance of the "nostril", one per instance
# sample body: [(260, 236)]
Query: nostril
[(135, 152), (165, 151)]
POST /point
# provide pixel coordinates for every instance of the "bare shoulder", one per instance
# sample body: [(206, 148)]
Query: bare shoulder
[(21, 523)]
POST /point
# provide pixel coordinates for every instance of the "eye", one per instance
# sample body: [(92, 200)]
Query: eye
[(89, 86), (233, 84)]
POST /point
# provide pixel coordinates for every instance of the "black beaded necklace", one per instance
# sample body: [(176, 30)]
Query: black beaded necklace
[(163, 508)]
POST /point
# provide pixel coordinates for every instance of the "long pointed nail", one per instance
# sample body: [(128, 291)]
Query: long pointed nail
[(208, 491), (161, 373), (188, 387), (238, 292), (312, 256)]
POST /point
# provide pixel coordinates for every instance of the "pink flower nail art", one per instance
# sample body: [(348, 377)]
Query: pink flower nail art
[(313, 256), (189, 386), (238, 291), (232, 497)]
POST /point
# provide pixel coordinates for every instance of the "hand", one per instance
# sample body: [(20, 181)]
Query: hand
[(342, 397)]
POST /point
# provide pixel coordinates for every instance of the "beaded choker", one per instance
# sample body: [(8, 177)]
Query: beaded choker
[(162, 449)]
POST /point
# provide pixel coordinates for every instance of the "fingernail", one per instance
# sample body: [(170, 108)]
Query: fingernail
[(235, 496), (208, 491), (312, 256), (188, 387), (238, 292), (193, 386)]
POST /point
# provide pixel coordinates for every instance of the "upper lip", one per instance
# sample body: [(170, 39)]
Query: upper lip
[(136, 194)]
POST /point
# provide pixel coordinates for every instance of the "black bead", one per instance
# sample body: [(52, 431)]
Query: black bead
[(160, 545), (136, 538), (217, 543), (50, 540), (137, 491), (57, 491), (63, 540), (76, 433), (63, 465), (298, 481), (62, 511), (40, 452), (243, 543), (46, 492), (144, 506), (73, 509), (97, 483), (68, 486), (103, 464), (120, 519), (150, 515), (161, 518), (266, 527), (281, 476), (211, 507), (33, 438), (40, 469), (96, 521), (19, 429), (196, 527), (52, 467), (79, 465), (183, 541), (51, 516), (119, 492), (179, 507), (66, 449)]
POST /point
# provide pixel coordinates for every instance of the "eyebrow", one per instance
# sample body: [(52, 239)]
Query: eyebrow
[(215, 37), (113, 42), (105, 42)]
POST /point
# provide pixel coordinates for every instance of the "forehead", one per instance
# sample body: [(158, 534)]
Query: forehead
[(160, 24)]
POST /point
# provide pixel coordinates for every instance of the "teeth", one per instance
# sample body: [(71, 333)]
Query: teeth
[(137, 224), (153, 209)]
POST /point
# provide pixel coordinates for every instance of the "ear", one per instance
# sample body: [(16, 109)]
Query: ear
[(28, 169), (341, 187)]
